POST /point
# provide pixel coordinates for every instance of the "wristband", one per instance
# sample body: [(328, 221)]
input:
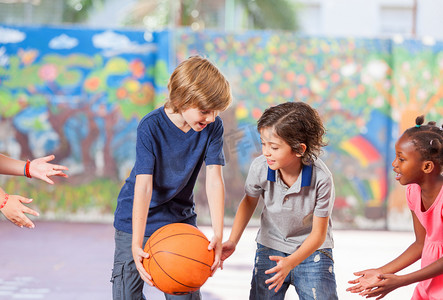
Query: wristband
[(6, 200), (28, 163)]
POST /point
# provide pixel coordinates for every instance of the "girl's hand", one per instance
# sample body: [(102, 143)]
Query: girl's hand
[(138, 255), (282, 270), (215, 244), (386, 284), (228, 248), (41, 169), (15, 211), (366, 279)]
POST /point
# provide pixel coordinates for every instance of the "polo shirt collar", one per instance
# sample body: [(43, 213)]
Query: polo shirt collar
[(306, 175)]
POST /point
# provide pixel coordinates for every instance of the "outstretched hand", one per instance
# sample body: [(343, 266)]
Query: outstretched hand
[(41, 168), (15, 211), (386, 284), (367, 278)]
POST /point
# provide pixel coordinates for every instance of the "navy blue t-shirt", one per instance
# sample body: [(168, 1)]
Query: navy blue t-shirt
[(174, 158)]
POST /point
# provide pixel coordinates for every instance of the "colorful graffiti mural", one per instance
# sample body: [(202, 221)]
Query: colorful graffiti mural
[(357, 85), (79, 93)]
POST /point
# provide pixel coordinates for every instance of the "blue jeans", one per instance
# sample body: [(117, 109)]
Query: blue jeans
[(313, 278), (126, 281)]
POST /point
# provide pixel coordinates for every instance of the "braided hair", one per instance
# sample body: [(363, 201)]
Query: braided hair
[(428, 140)]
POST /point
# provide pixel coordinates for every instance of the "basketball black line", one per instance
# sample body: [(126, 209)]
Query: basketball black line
[(177, 234), (153, 257), (176, 254), (157, 232)]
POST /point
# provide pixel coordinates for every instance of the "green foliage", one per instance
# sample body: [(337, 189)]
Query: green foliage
[(276, 14), (187, 6), (265, 14), (76, 11)]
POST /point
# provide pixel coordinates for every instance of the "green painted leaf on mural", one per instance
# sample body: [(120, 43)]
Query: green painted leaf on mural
[(130, 110), (69, 78), (161, 73), (9, 106)]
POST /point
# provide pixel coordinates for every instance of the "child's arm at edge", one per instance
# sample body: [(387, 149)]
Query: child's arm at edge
[(408, 257), (38, 168), (390, 282), (142, 200), (215, 192), (244, 213), (14, 210), (385, 281)]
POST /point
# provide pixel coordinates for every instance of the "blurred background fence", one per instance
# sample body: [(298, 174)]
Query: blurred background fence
[(79, 93)]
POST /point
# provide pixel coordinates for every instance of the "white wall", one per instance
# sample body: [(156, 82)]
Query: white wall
[(430, 18), (349, 18), (371, 18)]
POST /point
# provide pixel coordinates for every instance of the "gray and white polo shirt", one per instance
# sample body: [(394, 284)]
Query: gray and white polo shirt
[(286, 219)]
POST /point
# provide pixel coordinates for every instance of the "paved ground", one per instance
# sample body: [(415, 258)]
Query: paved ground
[(73, 261)]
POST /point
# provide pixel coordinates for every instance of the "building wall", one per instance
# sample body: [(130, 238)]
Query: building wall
[(375, 18)]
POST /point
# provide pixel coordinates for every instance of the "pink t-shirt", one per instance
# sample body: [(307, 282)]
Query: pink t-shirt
[(432, 221)]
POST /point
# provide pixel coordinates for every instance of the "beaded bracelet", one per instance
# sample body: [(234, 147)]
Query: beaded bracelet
[(6, 200), (27, 173)]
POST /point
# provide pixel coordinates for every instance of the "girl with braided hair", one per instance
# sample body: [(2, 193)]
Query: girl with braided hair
[(418, 164)]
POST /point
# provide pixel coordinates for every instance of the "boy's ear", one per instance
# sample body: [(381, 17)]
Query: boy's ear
[(303, 149), (428, 166)]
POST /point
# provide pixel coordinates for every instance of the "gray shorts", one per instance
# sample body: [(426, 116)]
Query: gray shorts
[(126, 281)]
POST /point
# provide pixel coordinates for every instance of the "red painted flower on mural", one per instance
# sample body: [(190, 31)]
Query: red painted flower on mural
[(137, 68), (122, 93), (92, 84)]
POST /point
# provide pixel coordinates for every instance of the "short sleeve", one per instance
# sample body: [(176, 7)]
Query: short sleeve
[(214, 153), (253, 186), (144, 157), (325, 197), (410, 195)]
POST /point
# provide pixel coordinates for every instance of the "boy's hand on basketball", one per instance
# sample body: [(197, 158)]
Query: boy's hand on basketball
[(138, 255), (228, 248), (281, 270), (366, 279), (215, 244), (41, 169), (15, 211)]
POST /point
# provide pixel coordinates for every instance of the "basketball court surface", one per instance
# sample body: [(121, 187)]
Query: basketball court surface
[(73, 261)]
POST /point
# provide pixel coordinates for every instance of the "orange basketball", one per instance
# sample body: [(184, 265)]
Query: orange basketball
[(179, 260)]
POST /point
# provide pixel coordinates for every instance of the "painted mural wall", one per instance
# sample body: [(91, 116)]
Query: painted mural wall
[(79, 93)]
